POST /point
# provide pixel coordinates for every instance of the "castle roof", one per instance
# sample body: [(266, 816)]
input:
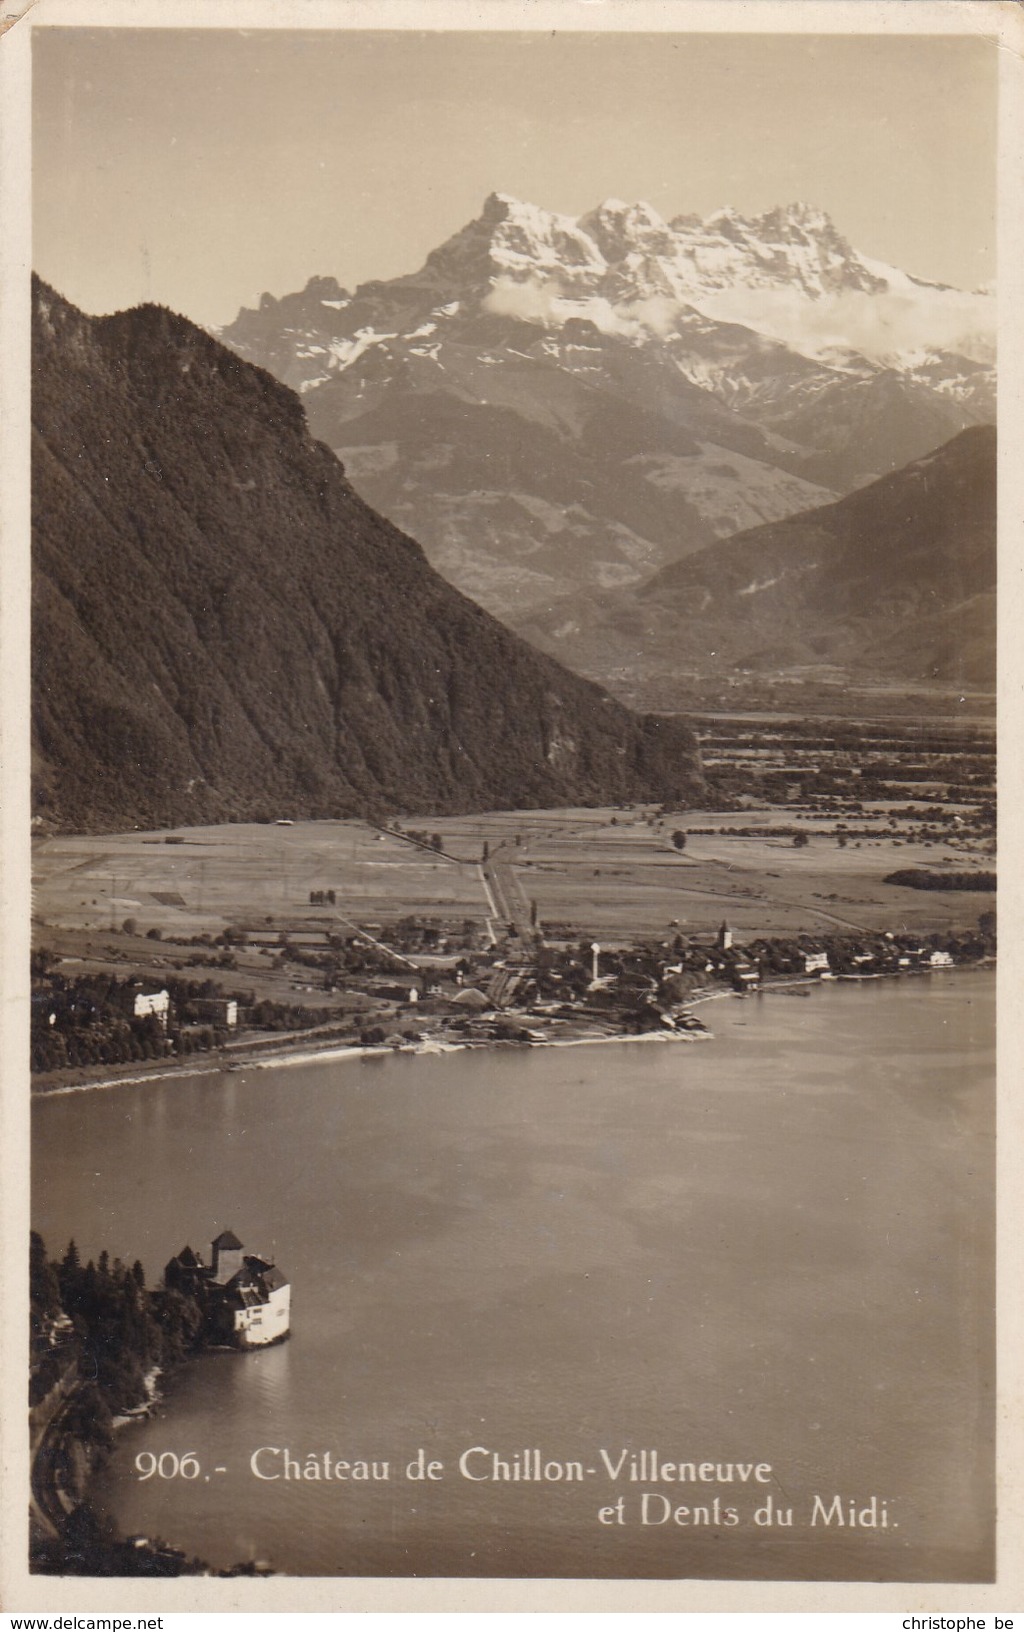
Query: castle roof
[(253, 1283), (228, 1241)]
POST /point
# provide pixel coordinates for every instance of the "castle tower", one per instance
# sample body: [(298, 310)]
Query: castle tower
[(227, 1253)]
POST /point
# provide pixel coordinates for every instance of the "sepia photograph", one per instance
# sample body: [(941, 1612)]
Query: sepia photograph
[(511, 1033)]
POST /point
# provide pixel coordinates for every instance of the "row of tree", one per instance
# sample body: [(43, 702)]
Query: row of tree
[(87, 1020), (100, 1326), (119, 1329), (921, 878)]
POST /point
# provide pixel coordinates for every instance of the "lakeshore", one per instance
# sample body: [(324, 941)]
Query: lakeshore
[(269, 1056), (712, 1252), (189, 948), (538, 1031)]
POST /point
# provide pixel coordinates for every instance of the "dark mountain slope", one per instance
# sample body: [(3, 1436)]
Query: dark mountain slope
[(223, 629), (897, 579)]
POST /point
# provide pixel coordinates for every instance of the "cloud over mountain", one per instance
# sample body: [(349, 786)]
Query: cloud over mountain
[(555, 405), (893, 323)]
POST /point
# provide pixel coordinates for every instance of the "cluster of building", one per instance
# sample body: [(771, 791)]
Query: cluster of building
[(145, 1000), (822, 958), (498, 992), (245, 1299), (670, 973), (630, 987), (214, 1011)]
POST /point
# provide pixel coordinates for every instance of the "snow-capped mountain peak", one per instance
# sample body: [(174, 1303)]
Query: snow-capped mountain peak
[(625, 252), (513, 239), (787, 273), (552, 403), (805, 217), (619, 230)]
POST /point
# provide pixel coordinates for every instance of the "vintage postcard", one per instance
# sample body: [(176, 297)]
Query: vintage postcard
[(500, 722)]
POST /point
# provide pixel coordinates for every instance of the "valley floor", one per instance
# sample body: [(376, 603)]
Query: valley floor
[(477, 929)]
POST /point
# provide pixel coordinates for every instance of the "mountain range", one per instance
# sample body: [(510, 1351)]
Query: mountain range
[(223, 629), (895, 581), (557, 406)]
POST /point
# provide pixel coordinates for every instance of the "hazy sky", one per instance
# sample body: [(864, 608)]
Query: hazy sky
[(200, 168)]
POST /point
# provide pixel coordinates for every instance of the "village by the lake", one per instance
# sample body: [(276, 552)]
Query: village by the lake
[(161, 949)]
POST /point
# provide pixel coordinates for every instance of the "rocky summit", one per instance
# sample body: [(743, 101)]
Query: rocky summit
[(556, 405)]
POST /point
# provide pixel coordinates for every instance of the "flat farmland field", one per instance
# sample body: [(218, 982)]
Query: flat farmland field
[(616, 873), (246, 874), (608, 873)]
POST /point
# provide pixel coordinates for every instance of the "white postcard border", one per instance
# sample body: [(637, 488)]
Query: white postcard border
[(1000, 20)]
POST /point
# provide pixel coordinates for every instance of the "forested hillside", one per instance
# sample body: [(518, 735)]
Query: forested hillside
[(223, 629)]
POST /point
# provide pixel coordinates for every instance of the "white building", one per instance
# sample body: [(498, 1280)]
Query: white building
[(222, 1011), (252, 1295), (158, 1003), (246, 1298)]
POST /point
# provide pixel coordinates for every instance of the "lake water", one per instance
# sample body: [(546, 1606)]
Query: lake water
[(775, 1248)]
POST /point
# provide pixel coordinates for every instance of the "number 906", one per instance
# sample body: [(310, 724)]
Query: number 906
[(168, 1465)]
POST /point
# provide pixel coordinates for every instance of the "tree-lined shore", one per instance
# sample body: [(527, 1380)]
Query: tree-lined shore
[(100, 1339)]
